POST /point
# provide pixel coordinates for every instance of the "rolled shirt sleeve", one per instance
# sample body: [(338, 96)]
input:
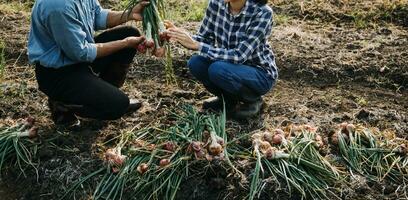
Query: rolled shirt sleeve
[(69, 36), (101, 16)]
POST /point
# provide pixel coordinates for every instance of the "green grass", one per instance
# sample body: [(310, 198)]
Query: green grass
[(186, 11)]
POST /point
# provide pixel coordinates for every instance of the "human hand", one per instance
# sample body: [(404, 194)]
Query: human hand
[(183, 37), (133, 42), (136, 13)]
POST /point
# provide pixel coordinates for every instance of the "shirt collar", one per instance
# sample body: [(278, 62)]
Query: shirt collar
[(244, 11)]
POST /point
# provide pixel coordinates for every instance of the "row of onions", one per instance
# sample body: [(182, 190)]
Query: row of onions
[(152, 163), (154, 30), (17, 145)]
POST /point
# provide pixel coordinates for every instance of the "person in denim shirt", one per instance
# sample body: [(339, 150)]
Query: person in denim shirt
[(78, 72), (234, 58)]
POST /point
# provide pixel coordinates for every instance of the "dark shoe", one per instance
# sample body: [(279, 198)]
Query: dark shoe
[(217, 104), (61, 114), (248, 109), (213, 103), (134, 105)]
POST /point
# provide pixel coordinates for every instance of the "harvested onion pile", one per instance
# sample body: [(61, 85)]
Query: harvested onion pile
[(293, 156), (374, 154), (16, 143)]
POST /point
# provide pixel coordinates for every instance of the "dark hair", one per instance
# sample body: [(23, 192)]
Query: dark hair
[(262, 2)]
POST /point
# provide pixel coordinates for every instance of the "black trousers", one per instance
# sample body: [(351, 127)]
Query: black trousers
[(91, 90)]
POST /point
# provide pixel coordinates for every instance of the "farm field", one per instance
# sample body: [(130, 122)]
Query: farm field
[(339, 61)]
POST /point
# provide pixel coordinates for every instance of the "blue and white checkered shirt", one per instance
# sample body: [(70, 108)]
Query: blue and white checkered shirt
[(239, 39)]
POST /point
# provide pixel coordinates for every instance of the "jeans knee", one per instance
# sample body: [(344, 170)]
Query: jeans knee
[(216, 72), (196, 65)]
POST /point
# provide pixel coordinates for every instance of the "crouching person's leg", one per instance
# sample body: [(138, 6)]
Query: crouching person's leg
[(243, 83), (198, 66), (114, 68), (77, 91)]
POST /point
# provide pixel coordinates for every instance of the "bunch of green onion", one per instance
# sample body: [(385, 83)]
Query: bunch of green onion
[(297, 162), (16, 144), (159, 160), (156, 40)]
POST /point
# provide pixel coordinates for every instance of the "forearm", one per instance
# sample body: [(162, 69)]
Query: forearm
[(116, 18), (106, 49)]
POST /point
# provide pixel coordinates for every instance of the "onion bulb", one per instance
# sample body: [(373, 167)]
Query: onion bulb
[(350, 128), (310, 128), (277, 139), (214, 148), (196, 146), (31, 133), (29, 122), (272, 153), (200, 155), (164, 162), (402, 149), (160, 52), (267, 136), (142, 168), (264, 146), (141, 48), (169, 146), (114, 157)]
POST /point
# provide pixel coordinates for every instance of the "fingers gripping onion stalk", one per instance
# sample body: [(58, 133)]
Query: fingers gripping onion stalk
[(156, 40)]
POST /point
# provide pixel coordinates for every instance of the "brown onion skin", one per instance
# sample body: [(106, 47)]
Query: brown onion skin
[(164, 162), (160, 52), (33, 133), (267, 136), (169, 146), (196, 146), (215, 149), (277, 139), (142, 168)]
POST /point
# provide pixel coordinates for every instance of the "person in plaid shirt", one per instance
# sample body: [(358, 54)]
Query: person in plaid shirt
[(234, 58)]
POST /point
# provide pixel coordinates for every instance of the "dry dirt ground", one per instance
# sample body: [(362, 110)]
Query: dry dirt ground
[(334, 67)]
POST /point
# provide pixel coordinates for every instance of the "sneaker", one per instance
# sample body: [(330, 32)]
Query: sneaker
[(248, 109), (134, 105), (213, 103)]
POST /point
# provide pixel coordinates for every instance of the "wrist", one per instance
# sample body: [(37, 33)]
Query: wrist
[(125, 43), (196, 46)]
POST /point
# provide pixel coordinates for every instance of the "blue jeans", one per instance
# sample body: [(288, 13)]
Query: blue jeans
[(242, 82)]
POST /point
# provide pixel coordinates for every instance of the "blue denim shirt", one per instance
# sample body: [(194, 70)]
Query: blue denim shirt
[(62, 31)]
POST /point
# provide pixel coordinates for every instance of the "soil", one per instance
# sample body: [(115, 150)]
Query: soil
[(330, 72)]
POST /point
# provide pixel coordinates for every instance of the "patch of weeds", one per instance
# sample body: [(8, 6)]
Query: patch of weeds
[(12, 7), (280, 19), (191, 11), (2, 60)]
